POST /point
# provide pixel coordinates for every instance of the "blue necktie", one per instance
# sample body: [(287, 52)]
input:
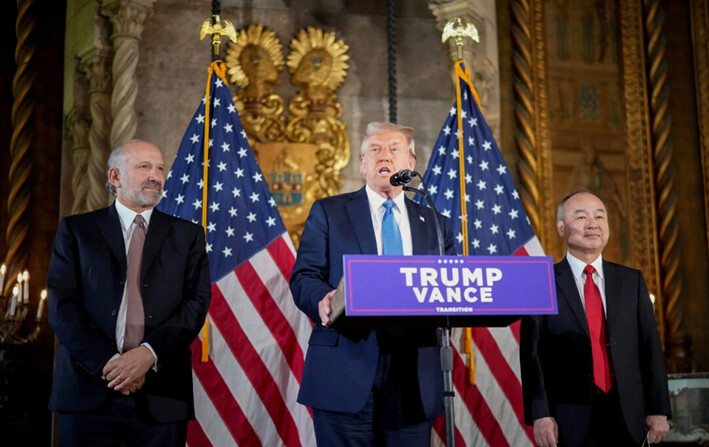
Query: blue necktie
[(391, 236)]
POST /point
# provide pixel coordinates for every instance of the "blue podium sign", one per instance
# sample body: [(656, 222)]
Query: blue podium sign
[(448, 285)]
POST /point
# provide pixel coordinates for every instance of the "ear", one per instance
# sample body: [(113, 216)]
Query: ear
[(412, 163), (361, 165), (560, 227), (114, 176)]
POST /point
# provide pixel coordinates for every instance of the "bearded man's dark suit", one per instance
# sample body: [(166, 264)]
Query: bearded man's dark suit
[(340, 365), (85, 282), (557, 367)]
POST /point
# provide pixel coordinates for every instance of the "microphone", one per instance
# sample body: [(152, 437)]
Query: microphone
[(403, 177)]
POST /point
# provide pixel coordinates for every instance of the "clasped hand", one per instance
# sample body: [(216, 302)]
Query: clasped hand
[(126, 373)]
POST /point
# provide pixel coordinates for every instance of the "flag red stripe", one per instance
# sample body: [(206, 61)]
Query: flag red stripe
[(196, 436), (254, 368), (272, 316), (282, 255), (514, 327), (477, 406), (218, 391), (521, 252), (501, 370)]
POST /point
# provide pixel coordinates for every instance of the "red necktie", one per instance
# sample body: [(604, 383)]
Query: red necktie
[(597, 331), (135, 316)]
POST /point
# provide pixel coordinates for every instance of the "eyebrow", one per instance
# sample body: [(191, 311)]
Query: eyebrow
[(593, 211)]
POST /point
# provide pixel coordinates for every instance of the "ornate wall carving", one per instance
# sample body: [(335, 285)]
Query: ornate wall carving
[(301, 156)]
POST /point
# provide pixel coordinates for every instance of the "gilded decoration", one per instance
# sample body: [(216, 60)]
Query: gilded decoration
[(301, 155), (590, 128)]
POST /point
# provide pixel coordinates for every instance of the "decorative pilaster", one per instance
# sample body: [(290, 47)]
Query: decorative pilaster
[(677, 344), (20, 144), (700, 39), (127, 17), (76, 125), (96, 65)]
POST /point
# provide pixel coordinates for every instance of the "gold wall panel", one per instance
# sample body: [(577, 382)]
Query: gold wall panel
[(596, 115), (301, 155)]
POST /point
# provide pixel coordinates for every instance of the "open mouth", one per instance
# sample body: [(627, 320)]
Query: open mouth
[(384, 171)]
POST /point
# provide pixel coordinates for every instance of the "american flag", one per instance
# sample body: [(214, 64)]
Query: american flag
[(490, 412), (246, 393)]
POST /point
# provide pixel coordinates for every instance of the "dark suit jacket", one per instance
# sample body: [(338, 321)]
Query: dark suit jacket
[(85, 286), (340, 365), (555, 353)]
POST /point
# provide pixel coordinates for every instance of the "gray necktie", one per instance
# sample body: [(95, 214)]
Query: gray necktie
[(135, 316)]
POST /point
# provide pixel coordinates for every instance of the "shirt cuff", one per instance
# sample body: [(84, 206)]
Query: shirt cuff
[(155, 356)]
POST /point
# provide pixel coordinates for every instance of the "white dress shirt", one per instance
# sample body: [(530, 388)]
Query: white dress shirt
[(401, 215), (577, 267)]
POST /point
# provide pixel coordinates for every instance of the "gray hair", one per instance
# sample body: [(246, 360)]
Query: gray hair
[(560, 208), (117, 160), (378, 128)]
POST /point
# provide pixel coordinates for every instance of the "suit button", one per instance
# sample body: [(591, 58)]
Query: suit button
[(121, 282), (113, 313), (150, 317)]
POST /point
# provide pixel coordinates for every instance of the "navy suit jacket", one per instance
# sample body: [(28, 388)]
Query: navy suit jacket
[(85, 286), (340, 364), (557, 366)]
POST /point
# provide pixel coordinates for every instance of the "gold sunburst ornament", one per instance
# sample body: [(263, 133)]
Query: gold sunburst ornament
[(254, 59), (318, 62)]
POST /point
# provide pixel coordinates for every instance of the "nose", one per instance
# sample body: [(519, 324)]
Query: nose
[(156, 175), (385, 153)]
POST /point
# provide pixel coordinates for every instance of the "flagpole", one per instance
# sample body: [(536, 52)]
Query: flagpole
[(216, 27), (458, 31)]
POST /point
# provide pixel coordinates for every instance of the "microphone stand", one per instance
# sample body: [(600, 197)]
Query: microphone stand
[(446, 350)]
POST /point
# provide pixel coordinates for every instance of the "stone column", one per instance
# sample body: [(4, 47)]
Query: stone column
[(89, 190), (127, 17), (76, 126)]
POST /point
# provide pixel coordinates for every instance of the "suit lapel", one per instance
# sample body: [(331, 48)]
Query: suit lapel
[(567, 285), (418, 226), (614, 283), (360, 218), (109, 225), (158, 230)]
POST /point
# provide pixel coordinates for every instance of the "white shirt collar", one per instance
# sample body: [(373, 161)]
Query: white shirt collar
[(376, 201), (578, 265), (127, 215)]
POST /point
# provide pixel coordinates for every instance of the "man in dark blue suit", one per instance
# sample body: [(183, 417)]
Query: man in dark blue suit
[(123, 373), (594, 382), (368, 387)]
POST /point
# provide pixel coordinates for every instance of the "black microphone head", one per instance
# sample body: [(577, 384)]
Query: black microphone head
[(403, 177), (395, 180), (407, 175)]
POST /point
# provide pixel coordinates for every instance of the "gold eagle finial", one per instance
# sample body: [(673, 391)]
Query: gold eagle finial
[(458, 30), (217, 27)]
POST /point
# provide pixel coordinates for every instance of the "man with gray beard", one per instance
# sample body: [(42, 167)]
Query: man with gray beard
[(129, 290)]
